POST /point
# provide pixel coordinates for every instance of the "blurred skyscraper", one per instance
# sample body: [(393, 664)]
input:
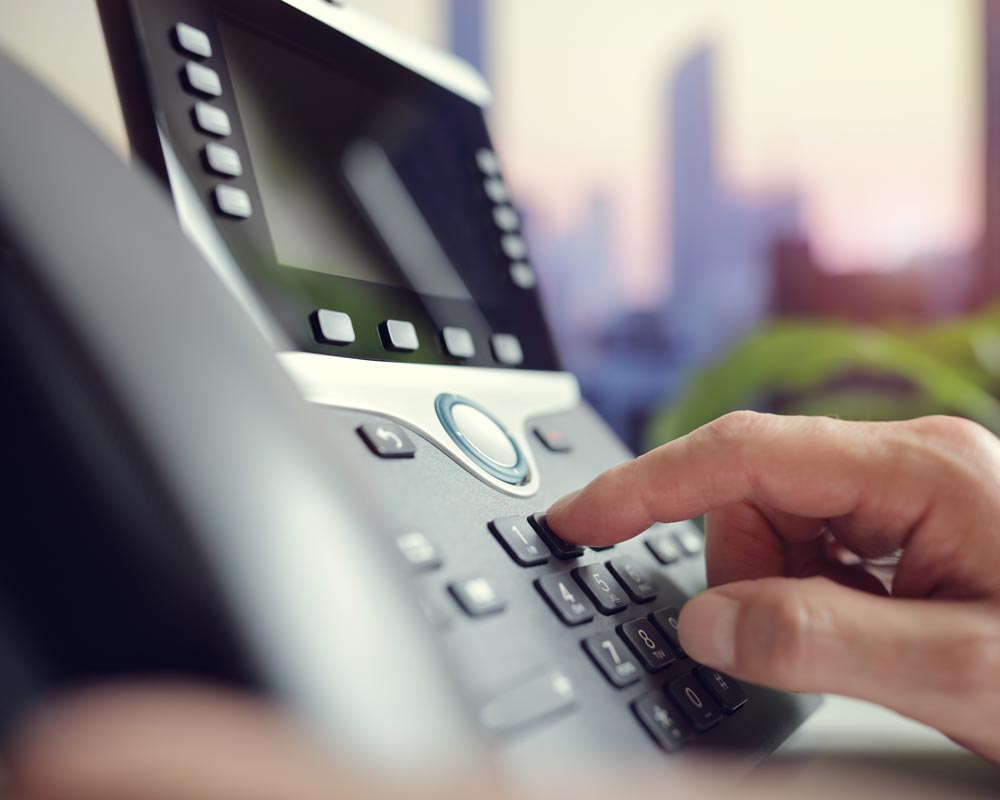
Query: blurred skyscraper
[(721, 243), (719, 260), (469, 32)]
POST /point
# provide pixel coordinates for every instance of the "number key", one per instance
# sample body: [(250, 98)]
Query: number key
[(695, 702), (520, 541), (604, 590), (631, 577), (613, 659), (647, 643), (560, 547), (666, 619), (565, 598)]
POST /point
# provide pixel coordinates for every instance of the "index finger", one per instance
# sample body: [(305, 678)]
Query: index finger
[(809, 467)]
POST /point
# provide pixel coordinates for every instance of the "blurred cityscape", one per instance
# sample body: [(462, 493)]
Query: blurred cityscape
[(735, 262)]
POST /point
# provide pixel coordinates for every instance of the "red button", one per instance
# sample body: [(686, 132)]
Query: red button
[(554, 439)]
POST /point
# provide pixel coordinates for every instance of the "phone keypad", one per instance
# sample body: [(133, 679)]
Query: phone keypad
[(565, 598), (521, 541), (724, 689), (631, 576), (695, 701), (660, 717), (648, 644), (560, 548), (613, 659), (598, 582), (667, 620), (673, 698)]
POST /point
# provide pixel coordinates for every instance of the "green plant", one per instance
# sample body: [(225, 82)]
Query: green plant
[(952, 368)]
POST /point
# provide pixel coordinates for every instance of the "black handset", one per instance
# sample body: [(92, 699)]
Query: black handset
[(171, 507)]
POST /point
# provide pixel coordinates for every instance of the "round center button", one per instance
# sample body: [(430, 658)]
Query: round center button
[(482, 438)]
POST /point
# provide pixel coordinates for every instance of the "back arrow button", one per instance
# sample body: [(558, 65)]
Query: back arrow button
[(387, 440)]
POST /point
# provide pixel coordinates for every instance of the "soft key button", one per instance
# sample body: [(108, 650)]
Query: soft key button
[(211, 119), (507, 349), (192, 41), (233, 202), (458, 342), (482, 438), (202, 80), (222, 160)]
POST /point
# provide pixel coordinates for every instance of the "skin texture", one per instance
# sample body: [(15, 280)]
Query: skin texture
[(795, 509)]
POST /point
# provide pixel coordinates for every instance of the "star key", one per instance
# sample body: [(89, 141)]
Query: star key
[(659, 717)]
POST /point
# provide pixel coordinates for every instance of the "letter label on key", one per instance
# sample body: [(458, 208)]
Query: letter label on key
[(692, 695)]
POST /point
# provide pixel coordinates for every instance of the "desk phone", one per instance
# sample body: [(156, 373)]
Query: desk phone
[(340, 184)]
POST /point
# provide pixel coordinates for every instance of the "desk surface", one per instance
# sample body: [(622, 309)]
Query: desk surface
[(852, 734)]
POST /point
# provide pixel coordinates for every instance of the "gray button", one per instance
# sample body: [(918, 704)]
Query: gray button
[(210, 119), (399, 336), (496, 190), (514, 247), (506, 218), (223, 160), (191, 40), (418, 551), (690, 541), (520, 540), (332, 327), (458, 342), (233, 202), (487, 438), (202, 79), (487, 161), (507, 349), (477, 597), (387, 440), (529, 701), (663, 547), (523, 276)]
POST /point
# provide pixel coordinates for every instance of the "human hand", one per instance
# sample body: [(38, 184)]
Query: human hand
[(782, 611)]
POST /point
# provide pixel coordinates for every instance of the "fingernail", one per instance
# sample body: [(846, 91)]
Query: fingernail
[(560, 505), (708, 629)]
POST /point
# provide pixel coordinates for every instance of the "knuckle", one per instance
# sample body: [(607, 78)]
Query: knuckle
[(783, 631), (735, 425), (976, 661), (956, 431)]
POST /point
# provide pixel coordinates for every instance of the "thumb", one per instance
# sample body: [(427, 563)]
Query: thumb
[(934, 661)]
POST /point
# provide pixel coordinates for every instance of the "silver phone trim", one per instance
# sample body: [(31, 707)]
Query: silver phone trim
[(406, 394), (438, 66)]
